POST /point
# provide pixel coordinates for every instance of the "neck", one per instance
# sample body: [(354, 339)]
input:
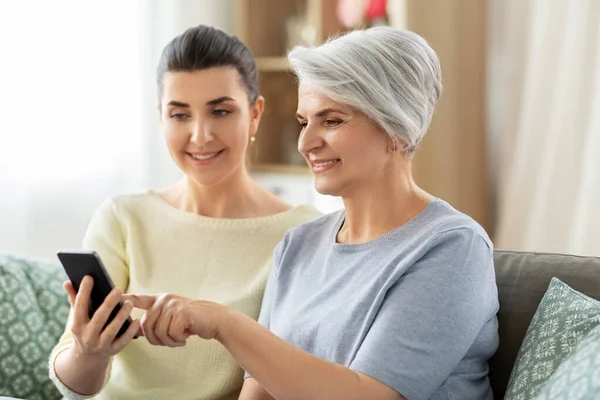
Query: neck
[(235, 197), (381, 206)]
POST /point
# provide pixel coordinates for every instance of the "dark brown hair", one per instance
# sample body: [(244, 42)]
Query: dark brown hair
[(204, 47)]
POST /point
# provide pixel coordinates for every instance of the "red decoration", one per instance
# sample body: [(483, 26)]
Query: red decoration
[(376, 9)]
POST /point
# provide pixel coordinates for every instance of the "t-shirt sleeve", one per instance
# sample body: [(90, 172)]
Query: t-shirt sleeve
[(431, 316), (264, 317)]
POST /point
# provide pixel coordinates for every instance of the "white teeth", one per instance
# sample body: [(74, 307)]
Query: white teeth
[(325, 163), (205, 157)]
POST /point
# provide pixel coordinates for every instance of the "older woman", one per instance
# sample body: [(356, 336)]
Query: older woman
[(392, 298)]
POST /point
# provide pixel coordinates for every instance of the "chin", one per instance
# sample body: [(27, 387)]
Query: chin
[(327, 188)]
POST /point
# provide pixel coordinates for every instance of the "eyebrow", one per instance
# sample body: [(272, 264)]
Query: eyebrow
[(213, 102), (219, 100), (323, 112), (178, 104)]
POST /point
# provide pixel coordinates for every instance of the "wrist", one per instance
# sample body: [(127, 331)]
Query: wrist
[(87, 360), (227, 317)]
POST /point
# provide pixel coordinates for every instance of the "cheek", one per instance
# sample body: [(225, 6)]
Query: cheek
[(362, 154), (348, 144), (175, 136), (372, 157), (366, 144), (235, 133)]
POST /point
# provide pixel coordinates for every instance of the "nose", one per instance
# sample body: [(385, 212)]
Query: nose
[(309, 140), (201, 133)]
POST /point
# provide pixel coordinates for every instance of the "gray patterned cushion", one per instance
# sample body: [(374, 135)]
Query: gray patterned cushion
[(563, 317), (578, 377), (33, 309)]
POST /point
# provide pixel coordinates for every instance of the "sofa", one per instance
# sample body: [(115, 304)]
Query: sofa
[(30, 325), (33, 312), (522, 280)]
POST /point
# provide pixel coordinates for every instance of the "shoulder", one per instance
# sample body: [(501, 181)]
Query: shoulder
[(446, 225), (126, 203), (121, 208), (457, 248), (131, 200), (458, 251), (108, 223), (316, 228), (311, 234), (303, 214), (278, 224)]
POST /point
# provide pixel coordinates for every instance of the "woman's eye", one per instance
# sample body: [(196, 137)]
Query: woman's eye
[(332, 122), (180, 117), (221, 113), (303, 124)]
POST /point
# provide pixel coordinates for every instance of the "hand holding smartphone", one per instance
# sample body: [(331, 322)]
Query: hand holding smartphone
[(79, 263)]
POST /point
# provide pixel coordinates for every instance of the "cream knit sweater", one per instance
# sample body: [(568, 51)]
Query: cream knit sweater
[(149, 246)]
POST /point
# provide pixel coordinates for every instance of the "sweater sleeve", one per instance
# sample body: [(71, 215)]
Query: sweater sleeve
[(105, 235)]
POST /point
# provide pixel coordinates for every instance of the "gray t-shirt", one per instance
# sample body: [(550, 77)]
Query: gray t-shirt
[(415, 308)]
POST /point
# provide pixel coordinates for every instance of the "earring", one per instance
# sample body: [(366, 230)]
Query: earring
[(252, 139), (394, 147)]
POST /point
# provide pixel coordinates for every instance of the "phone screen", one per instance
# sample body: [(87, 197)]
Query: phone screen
[(79, 263)]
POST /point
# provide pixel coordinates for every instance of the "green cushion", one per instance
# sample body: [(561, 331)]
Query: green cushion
[(563, 317), (34, 310), (578, 377)]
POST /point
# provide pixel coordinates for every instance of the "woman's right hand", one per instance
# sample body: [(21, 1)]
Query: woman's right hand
[(91, 341)]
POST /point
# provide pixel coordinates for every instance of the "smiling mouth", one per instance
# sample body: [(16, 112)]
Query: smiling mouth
[(325, 163), (204, 157)]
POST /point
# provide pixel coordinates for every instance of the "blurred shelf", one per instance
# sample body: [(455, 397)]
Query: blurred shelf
[(272, 64), (270, 28), (280, 169)]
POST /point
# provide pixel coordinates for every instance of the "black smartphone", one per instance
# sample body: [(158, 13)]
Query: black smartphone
[(79, 263)]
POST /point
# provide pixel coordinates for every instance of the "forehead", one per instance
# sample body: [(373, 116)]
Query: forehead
[(310, 99), (201, 85)]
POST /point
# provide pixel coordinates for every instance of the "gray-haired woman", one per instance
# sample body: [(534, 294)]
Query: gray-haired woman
[(395, 296)]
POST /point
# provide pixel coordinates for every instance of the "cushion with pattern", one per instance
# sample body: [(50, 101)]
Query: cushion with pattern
[(578, 377), (33, 313), (562, 319)]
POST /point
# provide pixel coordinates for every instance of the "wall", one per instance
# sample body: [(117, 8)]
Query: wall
[(452, 163)]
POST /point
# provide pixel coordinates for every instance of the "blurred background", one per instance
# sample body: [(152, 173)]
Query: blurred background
[(515, 141)]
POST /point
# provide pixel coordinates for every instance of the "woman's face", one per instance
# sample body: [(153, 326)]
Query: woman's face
[(207, 121), (344, 149)]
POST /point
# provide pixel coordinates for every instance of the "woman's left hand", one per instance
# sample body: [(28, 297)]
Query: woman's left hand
[(171, 319)]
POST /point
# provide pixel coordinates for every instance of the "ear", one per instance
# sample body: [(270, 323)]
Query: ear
[(392, 145), (256, 113)]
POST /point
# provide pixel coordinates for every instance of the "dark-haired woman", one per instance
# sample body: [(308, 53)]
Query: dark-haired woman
[(210, 236)]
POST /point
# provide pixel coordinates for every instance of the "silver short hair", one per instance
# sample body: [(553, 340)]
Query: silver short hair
[(390, 75)]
